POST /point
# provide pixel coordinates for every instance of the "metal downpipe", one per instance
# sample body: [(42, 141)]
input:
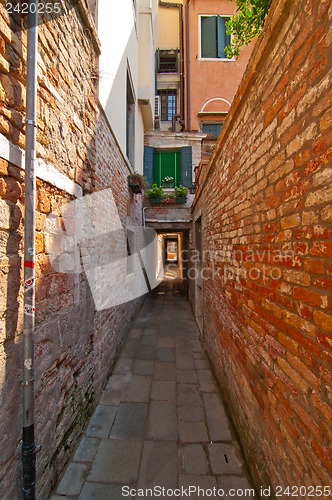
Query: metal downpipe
[(188, 67), (28, 441)]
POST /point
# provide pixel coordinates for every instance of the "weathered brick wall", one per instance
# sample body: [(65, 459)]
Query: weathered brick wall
[(265, 201), (75, 346), (169, 211)]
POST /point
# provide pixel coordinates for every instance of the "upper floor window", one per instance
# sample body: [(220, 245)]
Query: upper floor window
[(167, 61), (212, 128), (168, 104), (130, 122), (214, 38)]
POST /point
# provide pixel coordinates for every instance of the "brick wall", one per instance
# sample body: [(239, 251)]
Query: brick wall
[(169, 211), (265, 201), (75, 345)]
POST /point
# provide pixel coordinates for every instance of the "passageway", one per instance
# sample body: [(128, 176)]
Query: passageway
[(160, 421)]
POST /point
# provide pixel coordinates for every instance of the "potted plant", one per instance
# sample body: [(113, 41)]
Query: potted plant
[(137, 182), (181, 194), (155, 194), (168, 181)]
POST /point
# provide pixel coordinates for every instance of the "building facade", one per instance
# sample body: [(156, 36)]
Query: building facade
[(194, 90), (91, 122), (211, 78)]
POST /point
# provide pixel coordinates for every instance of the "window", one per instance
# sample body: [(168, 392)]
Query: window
[(167, 61), (214, 38), (212, 128), (159, 163), (167, 164), (168, 104), (130, 123)]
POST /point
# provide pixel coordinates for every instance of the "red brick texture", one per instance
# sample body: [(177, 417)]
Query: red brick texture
[(265, 202)]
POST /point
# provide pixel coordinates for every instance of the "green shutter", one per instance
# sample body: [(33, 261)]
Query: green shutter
[(212, 128), (148, 164), (167, 164), (208, 36), (223, 38), (186, 166)]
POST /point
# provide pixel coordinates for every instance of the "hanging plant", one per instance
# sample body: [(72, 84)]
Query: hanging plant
[(137, 182)]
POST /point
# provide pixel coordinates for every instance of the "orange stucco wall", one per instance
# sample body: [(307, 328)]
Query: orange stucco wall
[(211, 79)]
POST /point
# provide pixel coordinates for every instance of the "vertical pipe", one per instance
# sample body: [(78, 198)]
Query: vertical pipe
[(188, 68), (28, 440), (181, 64)]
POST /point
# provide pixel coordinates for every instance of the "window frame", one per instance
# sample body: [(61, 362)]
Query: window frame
[(177, 165), (200, 58), (170, 53), (167, 93), (211, 123), (130, 120)]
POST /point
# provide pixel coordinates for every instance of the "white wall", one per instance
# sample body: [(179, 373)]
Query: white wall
[(118, 30), (119, 51)]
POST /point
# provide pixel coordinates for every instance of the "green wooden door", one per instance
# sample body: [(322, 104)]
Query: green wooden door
[(167, 164)]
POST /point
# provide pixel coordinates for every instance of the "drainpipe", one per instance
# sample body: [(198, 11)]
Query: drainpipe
[(188, 67), (28, 440), (181, 68)]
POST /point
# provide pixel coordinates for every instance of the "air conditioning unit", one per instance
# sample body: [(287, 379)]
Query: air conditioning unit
[(157, 107)]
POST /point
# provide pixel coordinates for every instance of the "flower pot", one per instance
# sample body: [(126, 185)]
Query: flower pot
[(135, 184), (181, 199), (169, 200), (167, 185), (135, 187), (155, 200)]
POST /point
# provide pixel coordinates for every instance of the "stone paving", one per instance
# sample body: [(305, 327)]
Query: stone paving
[(161, 420)]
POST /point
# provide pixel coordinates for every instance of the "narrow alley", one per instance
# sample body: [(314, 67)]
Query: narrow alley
[(160, 421)]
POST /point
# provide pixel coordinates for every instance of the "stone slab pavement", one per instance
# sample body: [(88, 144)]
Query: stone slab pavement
[(161, 421)]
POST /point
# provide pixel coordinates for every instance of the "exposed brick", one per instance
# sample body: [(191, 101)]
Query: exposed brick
[(322, 248), (324, 320), (314, 266), (311, 297), (280, 134)]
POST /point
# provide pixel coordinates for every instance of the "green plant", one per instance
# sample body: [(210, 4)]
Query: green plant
[(246, 25), (181, 192), (141, 178), (156, 191)]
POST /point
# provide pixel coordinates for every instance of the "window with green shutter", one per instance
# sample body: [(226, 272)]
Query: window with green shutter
[(149, 164), (167, 164), (212, 128), (214, 38), (159, 164)]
